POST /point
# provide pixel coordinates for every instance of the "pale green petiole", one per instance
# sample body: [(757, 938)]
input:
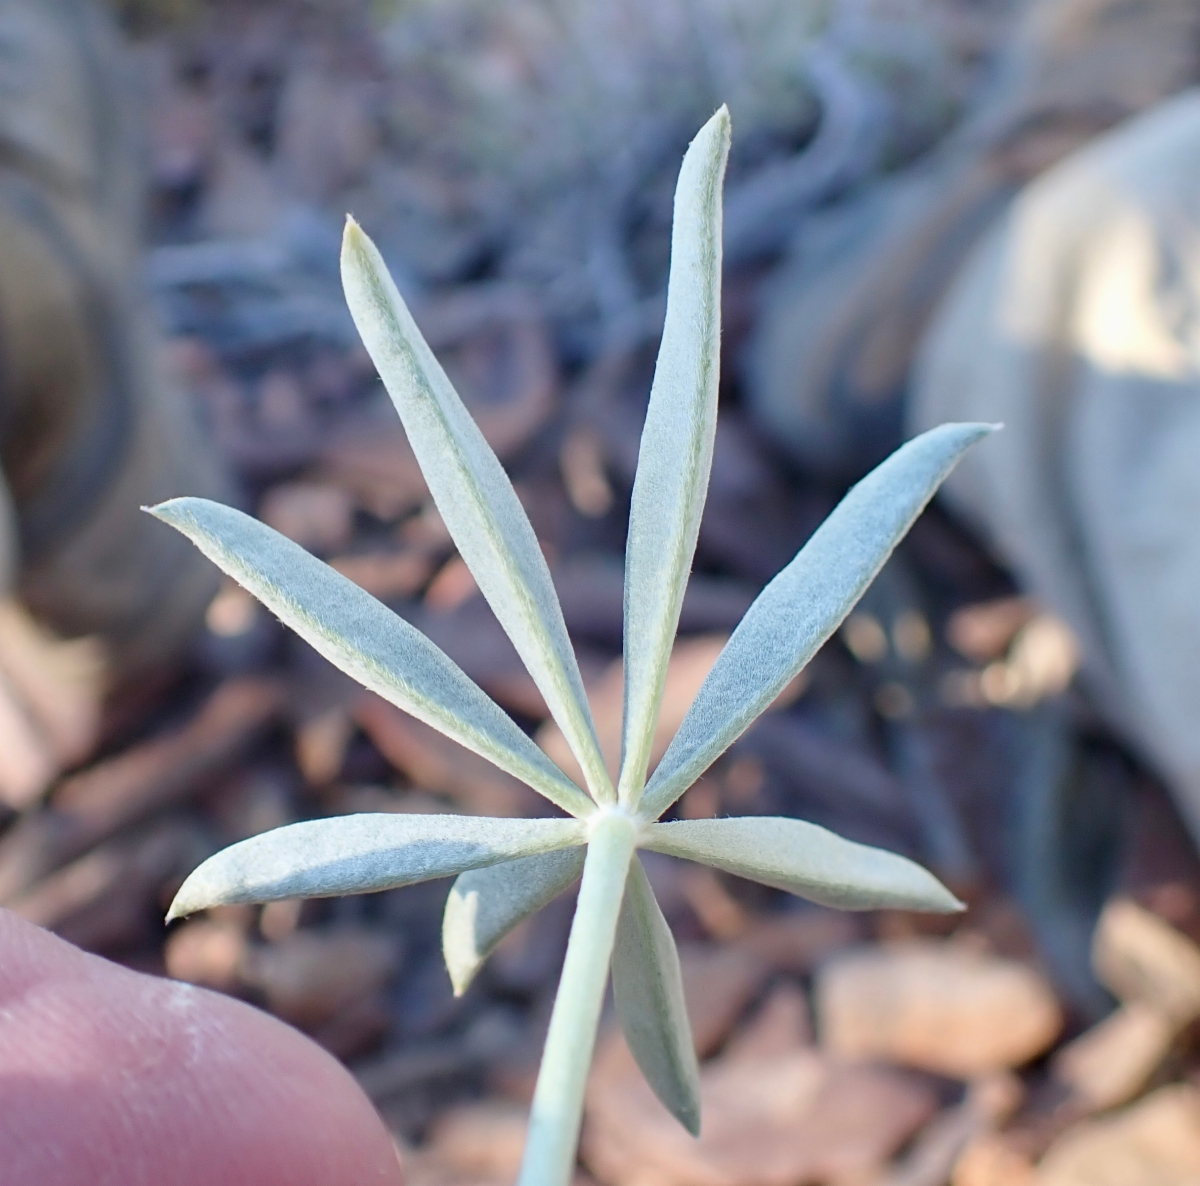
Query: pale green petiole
[(558, 1099)]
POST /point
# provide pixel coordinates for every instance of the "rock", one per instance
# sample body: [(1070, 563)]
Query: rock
[(937, 1006), (753, 1095), (1154, 1143), (990, 1161), (788, 1118), (1139, 957), (1110, 1063)]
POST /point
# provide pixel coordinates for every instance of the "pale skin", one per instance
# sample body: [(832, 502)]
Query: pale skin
[(112, 1078)]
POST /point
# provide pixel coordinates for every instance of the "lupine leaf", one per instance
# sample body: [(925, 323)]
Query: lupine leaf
[(356, 854), (795, 614), (485, 904), (677, 445), (806, 860), (362, 637), (648, 994), (476, 500)]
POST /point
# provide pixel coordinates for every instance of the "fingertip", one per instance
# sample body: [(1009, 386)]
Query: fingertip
[(114, 1077)]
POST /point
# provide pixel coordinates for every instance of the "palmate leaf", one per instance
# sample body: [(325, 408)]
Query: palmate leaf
[(362, 637), (797, 612), (806, 860), (677, 446), (648, 994), (485, 904), (476, 500), (506, 868), (356, 854)]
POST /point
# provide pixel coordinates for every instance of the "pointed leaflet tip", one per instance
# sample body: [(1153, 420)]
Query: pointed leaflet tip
[(485, 904), (477, 502), (807, 860), (648, 995), (359, 854), (719, 125), (366, 640), (675, 456), (354, 238), (805, 603)]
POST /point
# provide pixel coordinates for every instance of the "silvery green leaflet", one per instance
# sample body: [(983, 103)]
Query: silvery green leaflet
[(506, 869)]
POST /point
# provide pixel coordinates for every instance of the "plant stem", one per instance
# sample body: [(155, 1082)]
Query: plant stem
[(558, 1100)]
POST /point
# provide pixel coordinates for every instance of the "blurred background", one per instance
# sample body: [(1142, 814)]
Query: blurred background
[(935, 209)]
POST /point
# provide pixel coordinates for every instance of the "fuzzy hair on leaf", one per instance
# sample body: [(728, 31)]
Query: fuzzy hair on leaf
[(507, 869)]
